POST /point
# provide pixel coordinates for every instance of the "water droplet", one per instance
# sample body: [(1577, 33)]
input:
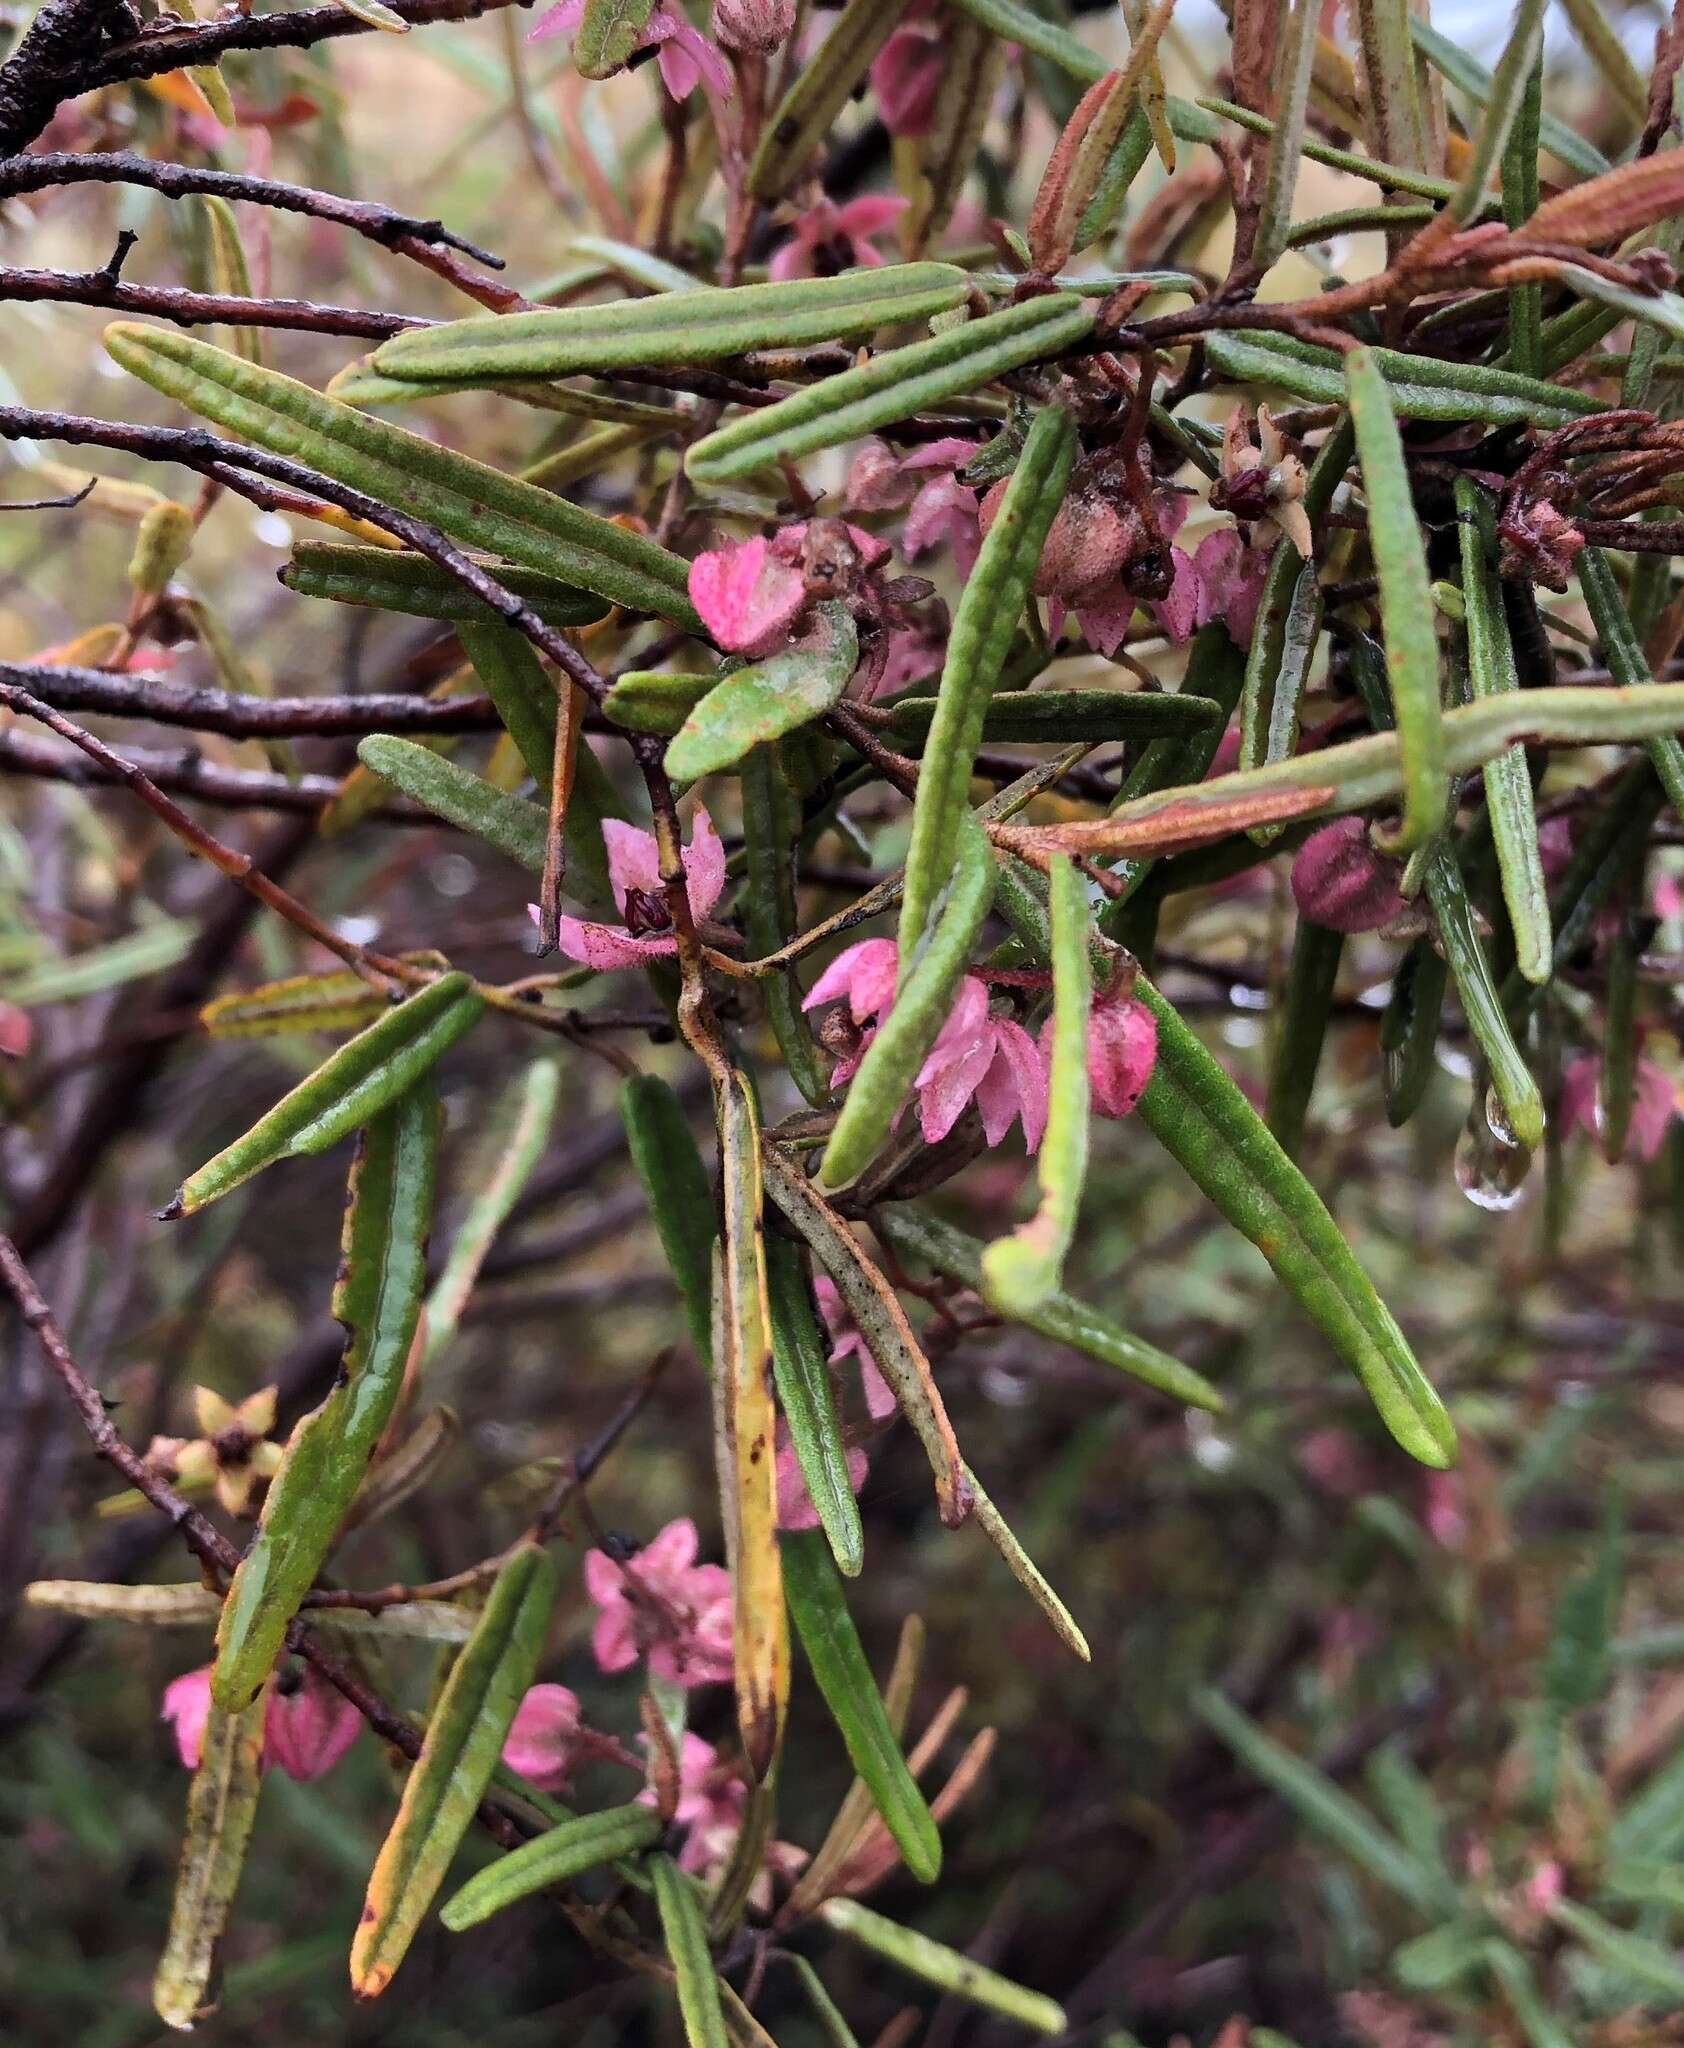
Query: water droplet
[(1490, 1167)]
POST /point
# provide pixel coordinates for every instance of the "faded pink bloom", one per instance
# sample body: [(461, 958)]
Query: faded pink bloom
[(634, 875), (906, 75), (1230, 578), (795, 1503), (943, 513), (847, 1342), (1333, 1458), (832, 237), (307, 1727), (664, 1606), (1666, 897), (990, 1059), (1555, 846), (747, 598), (546, 1740), (915, 653), (710, 1794), (864, 973), (1122, 1049), (1654, 1101), (1339, 880), (1444, 1509), (687, 59)]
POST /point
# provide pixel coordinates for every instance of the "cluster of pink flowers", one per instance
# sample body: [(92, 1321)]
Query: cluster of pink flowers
[(983, 1057), (307, 1724)]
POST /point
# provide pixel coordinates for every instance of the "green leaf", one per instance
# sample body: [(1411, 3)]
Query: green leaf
[(1464, 953), (221, 1806), (700, 326), (528, 1110), (832, 1649), (766, 700), (363, 1078), (652, 700), (1627, 664), (607, 35), (892, 386), (1419, 387), (977, 647), (880, 1319), (1322, 1806), (1196, 1110), (1391, 100), (363, 386), (912, 1232), (512, 824), (772, 830), (551, 1858), (802, 121), (675, 1184), (1514, 1974), (383, 1265), (1635, 1957), (1602, 44), (157, 945), (1277, 670), (837, 2032), (686, 1937), (1470, 77), (1021, 1272), (473, 504), (1301, 1029), (921, 1005), (339, 1001), (192, 1605), (391, 580), (1057, 717), (1503, 106), (807, 1396), (744, 1431), (944, 1967), (1508, 785), (465, 1736), (1406, 606)]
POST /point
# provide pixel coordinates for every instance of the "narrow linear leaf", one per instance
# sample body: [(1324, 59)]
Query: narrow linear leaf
[(698, 326), (803, 118), (1470, 78), (340, 1001), (529, 1111), (1627, 664), (474, 504), (383, 1262), (1636, 1956), (512, 824), (654, 700), (465, 1736), (832, 1649), (675, 1184), (1300, 1030), (1420, 387), (944, 1967), (392, 581), (772, 831), (744, 1434), (221, 1806), (1021, 1272), (1280, 176), (686, 1937), (914, 1232), (1406, 606), (191, 1605), (1464, 953), (891, 387), (807, 1397), (551, 1858), (1057, 717), (981, 637), (1503, 105), (363, 1078), (1024, 1569)]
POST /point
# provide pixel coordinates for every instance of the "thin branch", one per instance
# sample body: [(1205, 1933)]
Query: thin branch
[(192, 309), (59, 39)]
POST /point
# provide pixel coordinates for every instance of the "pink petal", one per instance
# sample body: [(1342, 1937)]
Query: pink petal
[(1017, 1082), (704, 865), (747, 598), (1104, 618), (634, 861), (943, 511), (614, 1639), (870, 214), (687, 58), (1652, 1107), (542, 1742), (1579, 1079), (671, 1549), (1178, 611), (905, 76), (791, 259), (306, 1732), (560, 20), (880, 1399), (186, 1704), (955, 1065), (604, 946), (604, 1580), (876, 480), (864, 973)]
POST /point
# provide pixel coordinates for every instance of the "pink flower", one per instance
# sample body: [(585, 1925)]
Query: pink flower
[(687, 59), (307, 1727), (1122, 1049), (711, 1798), (795, 1503), (944, 513), (976, 1055), (990, 1059), (1544, 1886), (664, 1606), (943, 510), (747, 598), (544, 1741), (829, 231), (17, 1033), (1338, 879), (847, 1342), (906, 75), (634, 875), (1654, 1101)]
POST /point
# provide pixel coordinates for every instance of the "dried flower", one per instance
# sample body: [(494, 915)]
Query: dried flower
[(1261, 482), (754, 28), (231, 1452), (747, 598), (664, 1606), (1122, 1050)]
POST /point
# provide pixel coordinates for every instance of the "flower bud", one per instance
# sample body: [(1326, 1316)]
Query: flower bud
[(753, 27), (1338, 880), (160, 548)]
